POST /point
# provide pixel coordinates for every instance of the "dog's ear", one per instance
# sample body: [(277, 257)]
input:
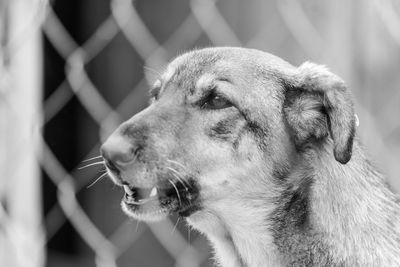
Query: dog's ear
[(317, 104)]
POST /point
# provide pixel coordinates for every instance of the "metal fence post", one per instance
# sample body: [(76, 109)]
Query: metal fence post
[(21, 235)]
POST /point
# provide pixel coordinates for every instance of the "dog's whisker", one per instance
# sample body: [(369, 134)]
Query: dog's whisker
[(97, 157), (178, 176), (177, 163), (98, 179), (176, 224), (184, 185), (175, 171), (152, 70), (91, 164), (177, 192)]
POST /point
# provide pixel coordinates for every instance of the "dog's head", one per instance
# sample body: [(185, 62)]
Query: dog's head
[(223, 124)]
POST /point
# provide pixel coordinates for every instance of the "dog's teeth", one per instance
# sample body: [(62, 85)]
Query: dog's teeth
[(128, 191), (153, 192)]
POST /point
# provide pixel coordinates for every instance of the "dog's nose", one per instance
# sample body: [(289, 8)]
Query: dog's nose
[(117, 152)]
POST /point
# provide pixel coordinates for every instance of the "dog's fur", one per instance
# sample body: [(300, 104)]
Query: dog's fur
[(272, 171)]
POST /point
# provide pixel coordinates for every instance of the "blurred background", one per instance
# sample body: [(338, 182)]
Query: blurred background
[(72, 70)]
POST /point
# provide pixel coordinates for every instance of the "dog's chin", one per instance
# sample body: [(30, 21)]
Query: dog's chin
[(143, 213), (156, 203)]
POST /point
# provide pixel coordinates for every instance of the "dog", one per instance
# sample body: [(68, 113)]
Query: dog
[(260, 156)]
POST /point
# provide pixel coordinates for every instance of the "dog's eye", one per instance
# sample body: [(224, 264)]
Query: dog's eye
[(215, 101)]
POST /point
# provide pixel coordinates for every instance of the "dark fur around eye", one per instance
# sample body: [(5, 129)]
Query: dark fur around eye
[(215, 101)]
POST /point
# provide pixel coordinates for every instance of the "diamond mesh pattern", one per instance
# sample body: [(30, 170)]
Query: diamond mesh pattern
[(359, 40)]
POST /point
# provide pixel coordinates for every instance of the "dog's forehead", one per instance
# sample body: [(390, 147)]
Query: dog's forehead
[(196, 67), (188, 68)]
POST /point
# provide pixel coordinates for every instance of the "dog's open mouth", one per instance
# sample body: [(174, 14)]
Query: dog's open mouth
[(139, 196), (159, 201)]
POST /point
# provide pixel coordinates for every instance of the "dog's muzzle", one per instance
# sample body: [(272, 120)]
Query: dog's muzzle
[(170, 192)]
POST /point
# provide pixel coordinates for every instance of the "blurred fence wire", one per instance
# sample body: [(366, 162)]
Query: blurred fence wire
[(360, 40)]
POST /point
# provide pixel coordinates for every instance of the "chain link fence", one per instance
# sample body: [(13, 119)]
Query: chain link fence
[(71, 71)]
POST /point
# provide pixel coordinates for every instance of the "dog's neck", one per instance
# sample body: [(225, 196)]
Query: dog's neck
[(239, 234), (331, 215), (336, 214)]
